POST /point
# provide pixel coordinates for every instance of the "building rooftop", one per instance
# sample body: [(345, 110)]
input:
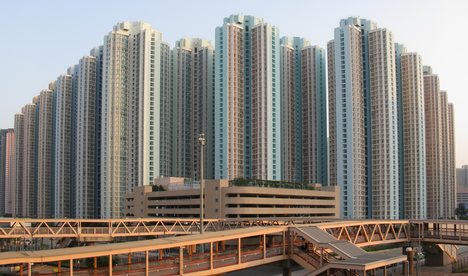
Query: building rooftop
[(273, 184)]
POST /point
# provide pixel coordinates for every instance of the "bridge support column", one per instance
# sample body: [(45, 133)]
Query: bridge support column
[(21, 269), (287, 267), (160, 255), (110, 265), (95, 265), (146, 263), (29, 269), (239, 254), (129, 261), (211, 255), (71, 267), (264, 246), (405, 268), (59, 267), (181, 260), (284, 243), (223, 246), (411, 262)]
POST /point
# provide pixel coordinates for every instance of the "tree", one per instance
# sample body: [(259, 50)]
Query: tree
[(461, 212)]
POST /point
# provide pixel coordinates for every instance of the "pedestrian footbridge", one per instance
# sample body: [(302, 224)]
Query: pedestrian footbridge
[(229, 245)]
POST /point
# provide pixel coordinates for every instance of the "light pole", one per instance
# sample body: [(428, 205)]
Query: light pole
[(201, 139)]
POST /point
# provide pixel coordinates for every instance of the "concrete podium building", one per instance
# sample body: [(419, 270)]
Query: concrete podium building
[(179, 197)]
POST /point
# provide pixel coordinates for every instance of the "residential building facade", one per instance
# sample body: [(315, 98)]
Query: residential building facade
[(30, 148), (87, 162), (304, 120), (63, 149), (19, 166), (349, 87), (131, 132), (192, 111), (384, 126), (10, 173), (45, 154), (440, 159), (413, 153)]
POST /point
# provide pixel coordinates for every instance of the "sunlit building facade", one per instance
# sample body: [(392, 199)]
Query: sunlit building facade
[(45, 154), (131, 112), (247, 99), (192, 111)]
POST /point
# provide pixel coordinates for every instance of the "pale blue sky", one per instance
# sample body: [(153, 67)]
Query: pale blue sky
[(40, 39)]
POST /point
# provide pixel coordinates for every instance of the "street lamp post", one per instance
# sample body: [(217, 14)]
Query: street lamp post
[(201, 139)]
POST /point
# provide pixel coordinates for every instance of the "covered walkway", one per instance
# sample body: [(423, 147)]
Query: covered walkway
[(206, 254)]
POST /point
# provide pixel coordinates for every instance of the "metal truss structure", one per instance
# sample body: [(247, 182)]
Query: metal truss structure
[(102, 229), (228, 244), (369, 232)]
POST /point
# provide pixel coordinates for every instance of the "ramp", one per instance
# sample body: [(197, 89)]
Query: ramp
[(353, 257), (320, 238)]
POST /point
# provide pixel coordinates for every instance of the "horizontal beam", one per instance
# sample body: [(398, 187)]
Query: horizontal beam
[(54, 255)]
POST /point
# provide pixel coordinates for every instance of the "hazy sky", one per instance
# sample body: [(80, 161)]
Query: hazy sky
[(40, 39)]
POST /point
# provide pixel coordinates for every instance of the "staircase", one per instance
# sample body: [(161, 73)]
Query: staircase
[(450, 250), (63, 242), (328, 254)]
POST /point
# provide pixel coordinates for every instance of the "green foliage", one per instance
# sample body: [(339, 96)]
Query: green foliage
[(461, 212), (382, 247), (270, 184), (157, 188)]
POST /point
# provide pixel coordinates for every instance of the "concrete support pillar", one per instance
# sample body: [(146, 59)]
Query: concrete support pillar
[(385, 271), (71, 267), (21, 269), (264, 245), (405, 268), (129, 261), (284, 243), (287, 267), (410, 260), (223, 246), (191, 250), (95, 265), (110, 265), (211, 255), (181, 260), (239, 254), (59, 267), (29, 269), (146, 263), (160, 255)]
